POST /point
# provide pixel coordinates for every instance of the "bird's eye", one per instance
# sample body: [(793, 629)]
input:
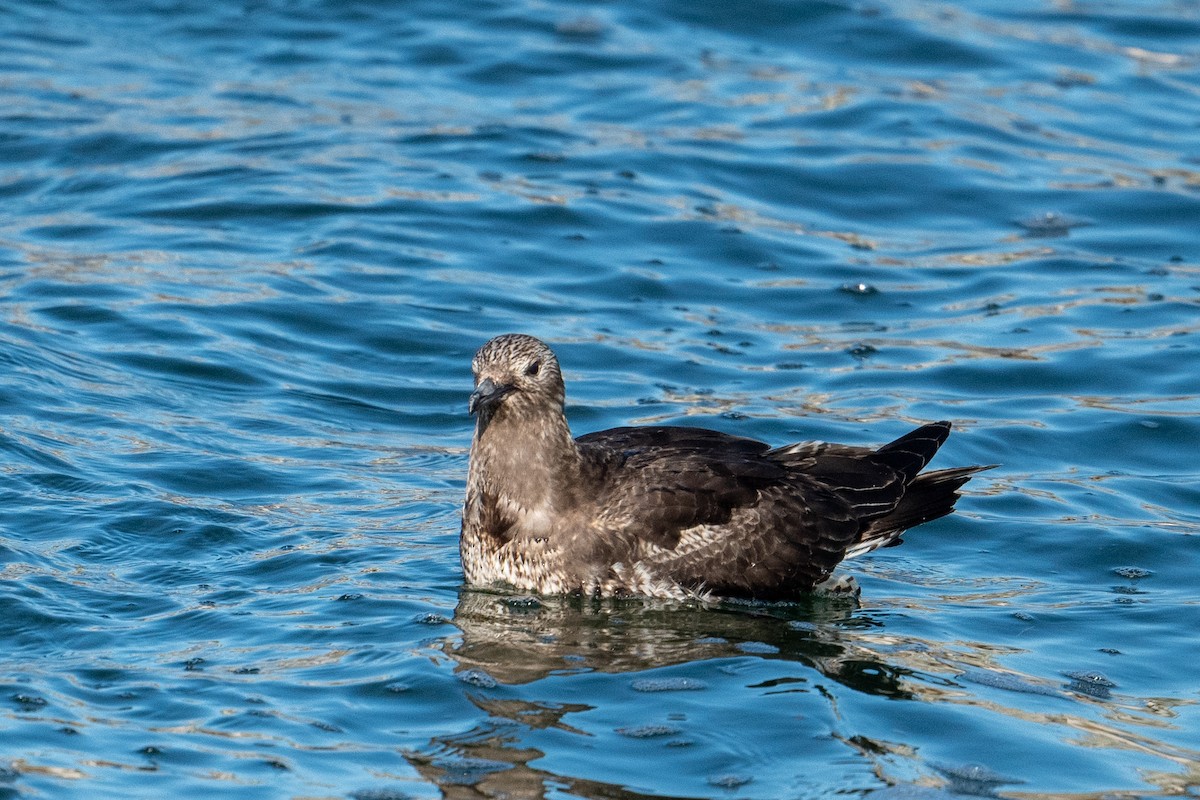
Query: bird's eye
[(533, 368)]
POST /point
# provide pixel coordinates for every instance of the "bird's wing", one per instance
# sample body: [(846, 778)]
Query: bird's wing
[(883, 486), (658, 481), (736, 516), (871, 482)]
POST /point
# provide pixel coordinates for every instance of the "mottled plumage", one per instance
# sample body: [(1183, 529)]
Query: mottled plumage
[(671, 511)]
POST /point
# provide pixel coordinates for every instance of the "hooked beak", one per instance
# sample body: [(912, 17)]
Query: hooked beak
[(486, 395)]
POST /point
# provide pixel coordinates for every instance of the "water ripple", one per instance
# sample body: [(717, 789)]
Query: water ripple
[(247, 253)]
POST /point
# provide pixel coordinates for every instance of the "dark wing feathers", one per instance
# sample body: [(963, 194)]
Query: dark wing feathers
[(792, 512), (762, 559), (868, 487), (673, 437), (660, 481)]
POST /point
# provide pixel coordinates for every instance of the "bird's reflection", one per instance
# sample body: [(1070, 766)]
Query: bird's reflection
[(519, 639), (506, 644), (516, 640), (491, 762)]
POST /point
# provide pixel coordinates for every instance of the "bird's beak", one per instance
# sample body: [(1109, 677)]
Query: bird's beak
[(486, 395)]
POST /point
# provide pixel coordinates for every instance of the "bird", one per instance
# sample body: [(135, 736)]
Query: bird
[(672, 512)]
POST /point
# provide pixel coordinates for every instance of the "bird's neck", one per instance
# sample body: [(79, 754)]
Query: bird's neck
[(526, 464)]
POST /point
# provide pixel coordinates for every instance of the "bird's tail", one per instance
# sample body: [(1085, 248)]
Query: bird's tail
[(927, 497), (909, 454)]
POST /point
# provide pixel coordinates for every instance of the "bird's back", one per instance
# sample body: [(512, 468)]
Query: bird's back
[(730, 516)]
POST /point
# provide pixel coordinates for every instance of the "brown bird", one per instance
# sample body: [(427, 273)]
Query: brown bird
[(671, 512)]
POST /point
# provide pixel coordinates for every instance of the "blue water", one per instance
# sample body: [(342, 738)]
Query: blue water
[(248, 249)]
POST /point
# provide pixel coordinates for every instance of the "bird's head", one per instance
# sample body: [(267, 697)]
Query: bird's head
[(515, 373)]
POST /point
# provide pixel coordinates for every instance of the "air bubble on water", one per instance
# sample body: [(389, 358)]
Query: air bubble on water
[(29, 700), (862, 351), (430, 618), (1093, 684), (976, 773), (973, 779), (668, 685), (478, 678), (1133, 573), (1051, 223), (468, 771), (1094, 678), (861, 289), (729, 780), (649, 731)]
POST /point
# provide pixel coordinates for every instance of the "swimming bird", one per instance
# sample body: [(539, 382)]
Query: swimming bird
[(671, 512)]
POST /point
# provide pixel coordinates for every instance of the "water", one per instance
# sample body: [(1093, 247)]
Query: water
[(247, 251)]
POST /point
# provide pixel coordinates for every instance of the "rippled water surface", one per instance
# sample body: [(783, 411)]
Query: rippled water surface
[(247, 251)]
